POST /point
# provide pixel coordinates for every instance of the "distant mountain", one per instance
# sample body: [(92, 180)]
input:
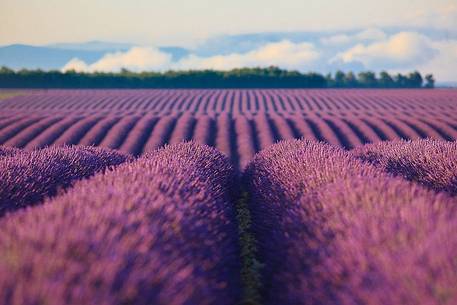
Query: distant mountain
[(25, 56), (55, 56), (92, 46)]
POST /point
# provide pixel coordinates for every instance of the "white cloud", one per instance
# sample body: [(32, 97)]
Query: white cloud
[(402, 50), (444, 65), (77, 65), (370, 34), (370, 49), (284, 54), (136, 59)]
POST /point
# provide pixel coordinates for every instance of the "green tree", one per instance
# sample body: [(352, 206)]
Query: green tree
[(367, 79), (429, 81), (415, 80), (339, 79), (385, 80), (329, 79), (401, 81), (350, 80), (271, 77)]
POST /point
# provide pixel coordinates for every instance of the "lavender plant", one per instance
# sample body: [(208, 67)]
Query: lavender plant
[(160, 230), (334, 230), (28, 178), (6, 151), (432, 163)]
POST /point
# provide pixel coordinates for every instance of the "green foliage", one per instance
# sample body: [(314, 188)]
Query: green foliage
[(271, 77), (367, 79), (429, 81), (385, 80)]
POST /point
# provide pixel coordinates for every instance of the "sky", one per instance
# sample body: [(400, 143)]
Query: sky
[(353, 33), (185, 22)]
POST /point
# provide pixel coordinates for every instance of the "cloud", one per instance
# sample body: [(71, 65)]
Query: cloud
[(77, 65), (284, 54), (444, 65), (135, 59), (369, 49), (402, 50), (336, 40), (371, 34)]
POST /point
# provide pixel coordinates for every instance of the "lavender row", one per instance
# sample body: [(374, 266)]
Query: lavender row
[(238, 135), (160, 230), (276, 178), (234, 101), (28, 177), (333, 230), (431, 163), (373, 241)]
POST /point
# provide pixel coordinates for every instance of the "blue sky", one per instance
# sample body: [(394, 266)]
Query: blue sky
[(397, 35)]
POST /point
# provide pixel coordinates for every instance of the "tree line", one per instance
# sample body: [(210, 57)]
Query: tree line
[(271, 77)]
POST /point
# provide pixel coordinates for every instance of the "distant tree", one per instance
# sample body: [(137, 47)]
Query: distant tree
[(367, 79), (329, 79), (401, 81), (6, 70), (350, 80), (271, 77), (429, 81), (415, 80), (385, 80), (339, 79), (274, 71), (125, 71)]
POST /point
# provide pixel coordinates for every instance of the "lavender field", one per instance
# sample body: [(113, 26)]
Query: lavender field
[(228, 197), (237, 122)]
